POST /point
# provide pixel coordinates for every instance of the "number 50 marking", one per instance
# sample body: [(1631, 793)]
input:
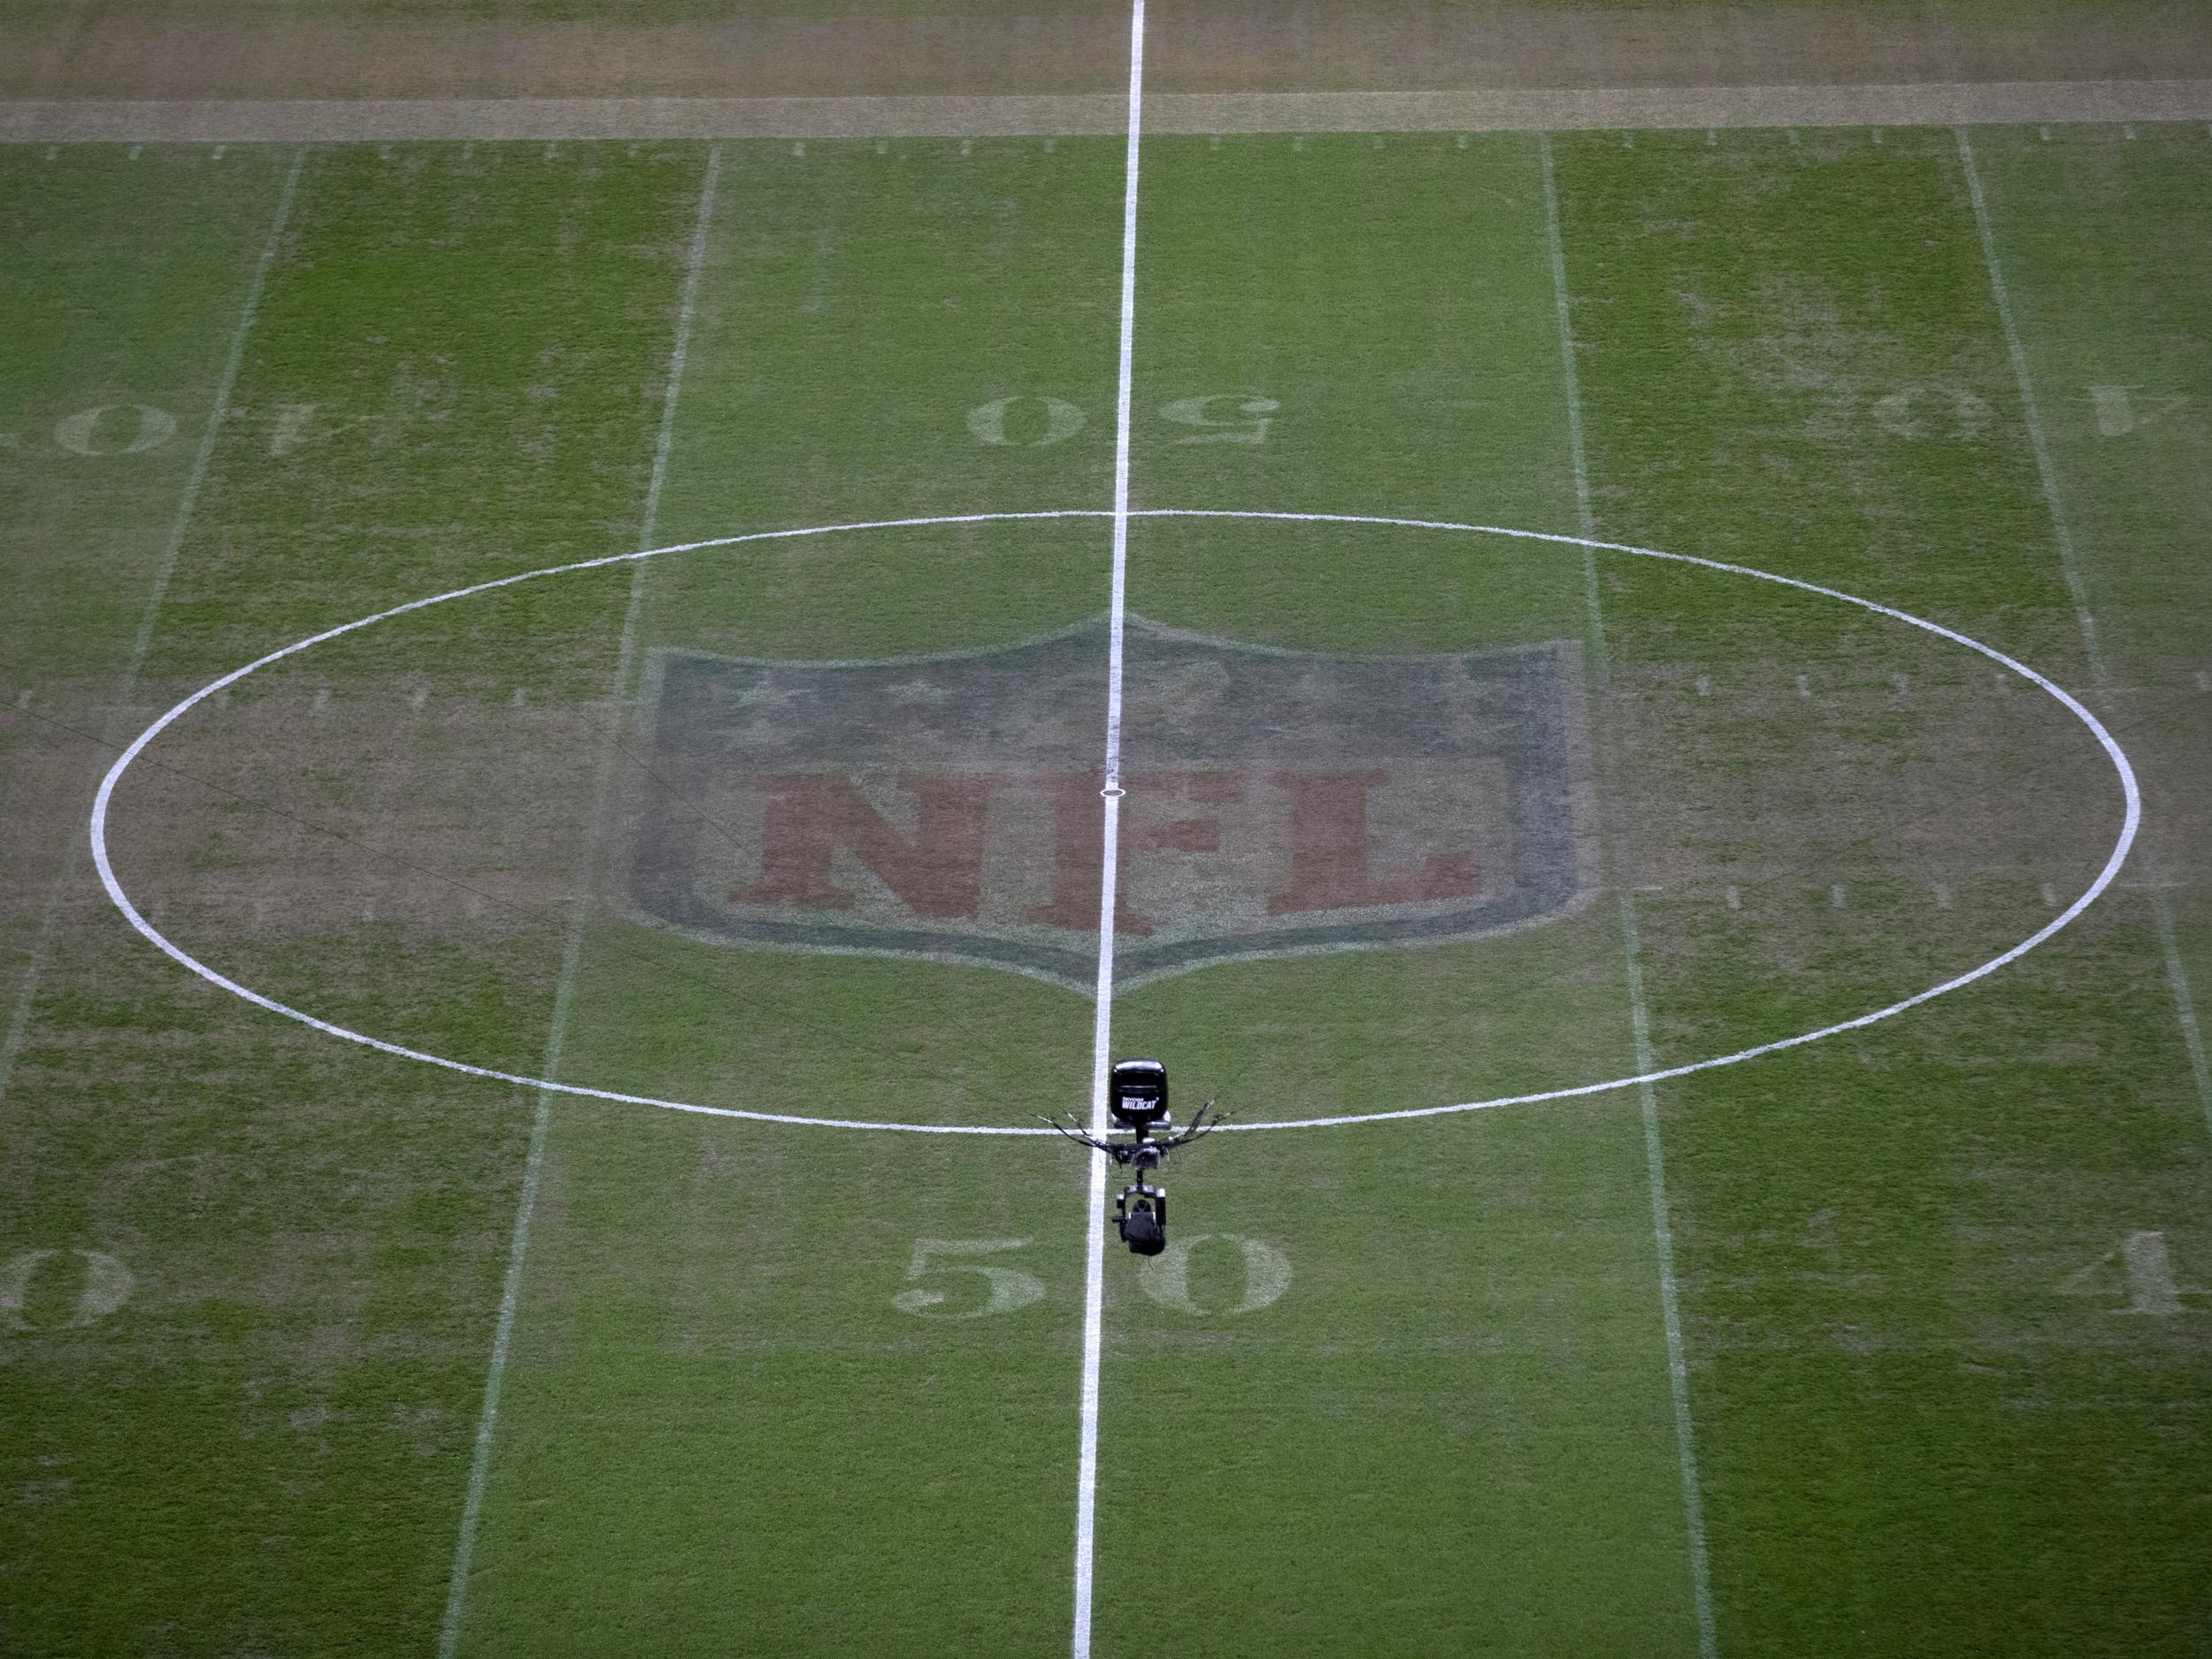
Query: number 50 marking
[(1033, 423), (1010, 1288), (1166, 1277)]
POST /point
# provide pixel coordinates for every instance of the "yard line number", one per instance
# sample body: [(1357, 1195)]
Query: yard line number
[(989, 1287), (1165, 1278), (104, 1286), (115, 429), (1031, 423), (2142, 1271), (1009, 1288), (2119, 411)]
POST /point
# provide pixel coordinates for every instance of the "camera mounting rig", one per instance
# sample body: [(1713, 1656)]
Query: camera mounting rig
[(1136, 1099)]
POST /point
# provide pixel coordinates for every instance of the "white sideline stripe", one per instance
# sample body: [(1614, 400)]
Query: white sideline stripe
[(141, 642), (1631, 956), (1110, 857), (2046, 475), (2123, 769), (572, 951)]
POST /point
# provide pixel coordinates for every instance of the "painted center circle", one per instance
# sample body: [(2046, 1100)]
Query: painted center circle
[(2123, 771)]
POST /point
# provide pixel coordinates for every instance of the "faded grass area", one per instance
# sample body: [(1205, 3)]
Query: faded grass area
[(395, 51)]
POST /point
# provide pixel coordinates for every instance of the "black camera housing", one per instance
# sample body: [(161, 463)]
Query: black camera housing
[(1136, 1095)]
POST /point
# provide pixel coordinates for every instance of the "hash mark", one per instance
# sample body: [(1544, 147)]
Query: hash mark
[(1298, 140), (549, 149), (322, 699), (135, 149), (1835, 896), (520, 697), (23, 698), (967, 146), (1899, 682), (1704, 685), (2127, 130), (1877, 135), (1462, 140), (1735, 899), (52, 152), (418, 696), (2204, 680), (1943, 896), (1804, 687), (219, 149), (799, 149), (2045, 132), (2050, 895), (883, 146), (1051, 144), (1711, 137), (1793, 133)]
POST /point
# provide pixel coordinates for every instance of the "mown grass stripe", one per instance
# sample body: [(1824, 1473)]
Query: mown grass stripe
[(2061, 532), (571, 952), (1632, 954), (141, 642)]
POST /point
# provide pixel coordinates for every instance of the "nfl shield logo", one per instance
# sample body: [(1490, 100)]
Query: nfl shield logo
[(1278, 802)]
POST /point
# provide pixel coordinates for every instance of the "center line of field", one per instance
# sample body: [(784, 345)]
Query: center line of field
[(142, 642), (573, 947), (1110, 851), (2070, 564), (1632, 952)]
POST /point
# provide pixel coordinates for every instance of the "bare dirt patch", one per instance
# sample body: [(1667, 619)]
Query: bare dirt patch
[(370, 120), (272, 52)]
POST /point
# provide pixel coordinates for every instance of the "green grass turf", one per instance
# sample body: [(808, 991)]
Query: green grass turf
[(317, 1243), (132, 312), (1923, 1440), (1923, 1418)]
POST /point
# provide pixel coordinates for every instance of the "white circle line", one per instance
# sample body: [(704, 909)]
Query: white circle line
[(2132, 793)]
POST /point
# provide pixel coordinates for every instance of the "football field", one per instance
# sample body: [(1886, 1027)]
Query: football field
[(1596, 624)]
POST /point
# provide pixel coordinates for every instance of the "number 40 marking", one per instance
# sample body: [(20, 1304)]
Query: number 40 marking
[(2141, 1268)]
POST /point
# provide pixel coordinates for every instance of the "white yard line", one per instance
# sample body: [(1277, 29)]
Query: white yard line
[(572, 948), (141, 642), (1632, 952), (2062, 530), (1109, 850)]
